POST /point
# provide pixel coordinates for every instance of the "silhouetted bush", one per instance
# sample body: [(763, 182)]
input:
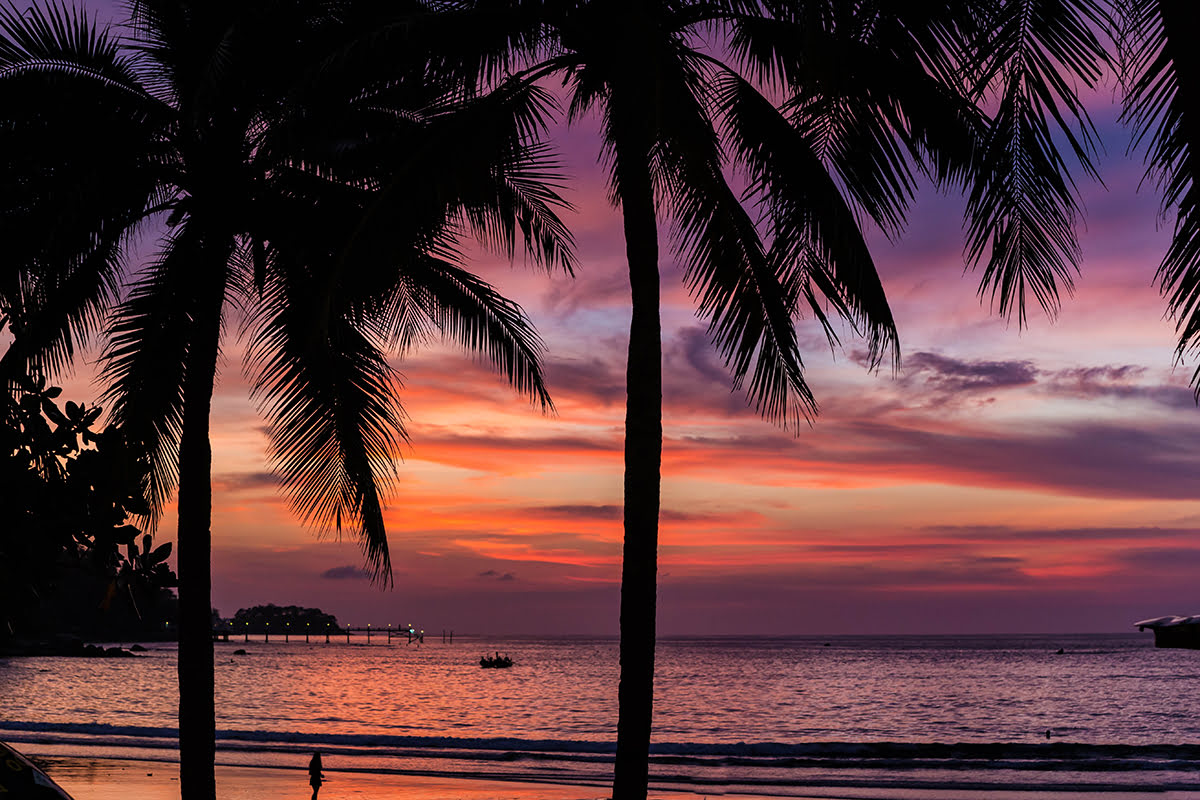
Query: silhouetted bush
[(70, 561)]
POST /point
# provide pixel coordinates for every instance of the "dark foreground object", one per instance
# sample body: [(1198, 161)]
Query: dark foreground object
[(1182, 632), (21, 780), (63, 646)]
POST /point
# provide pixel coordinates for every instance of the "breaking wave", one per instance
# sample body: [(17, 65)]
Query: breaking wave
[(893, 755)]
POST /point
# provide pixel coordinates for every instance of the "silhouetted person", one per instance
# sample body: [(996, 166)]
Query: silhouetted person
[(1047, 734), (315, 778)]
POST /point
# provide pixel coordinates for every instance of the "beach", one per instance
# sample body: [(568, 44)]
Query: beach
[(119, 779)]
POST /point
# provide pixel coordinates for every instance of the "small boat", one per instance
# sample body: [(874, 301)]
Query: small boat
[(495, 662), (20, 779), (1183, 632)]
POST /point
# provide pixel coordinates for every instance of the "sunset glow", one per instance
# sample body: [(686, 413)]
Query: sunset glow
[(1002, 480)]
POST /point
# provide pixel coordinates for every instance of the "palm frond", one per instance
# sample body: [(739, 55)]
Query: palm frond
[(51, 314), (489, 40), (335, 416), (1023, 203), (1162, 93), (512, 182), (812, 227), (404, 283), (429, 162), (144, 364), (70, 202), (736, 285), (871, 94), (847, 128), (56, 38), (471, 313)]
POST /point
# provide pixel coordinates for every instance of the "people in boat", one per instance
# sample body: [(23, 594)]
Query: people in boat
[(496, 660)]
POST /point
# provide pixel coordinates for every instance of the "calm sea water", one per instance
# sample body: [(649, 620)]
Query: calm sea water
[(769, 715)]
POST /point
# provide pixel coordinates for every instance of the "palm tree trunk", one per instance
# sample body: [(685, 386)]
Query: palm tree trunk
[(643, 462), (197, 710)]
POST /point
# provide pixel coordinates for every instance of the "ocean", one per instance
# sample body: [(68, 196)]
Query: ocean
[(777, 716)]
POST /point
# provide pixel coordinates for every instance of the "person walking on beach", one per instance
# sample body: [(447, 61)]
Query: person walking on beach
[(314, 774)]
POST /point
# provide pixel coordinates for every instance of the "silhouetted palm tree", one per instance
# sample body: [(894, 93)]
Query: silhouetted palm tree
[(1161, 69), (828, 112), (318, 203)]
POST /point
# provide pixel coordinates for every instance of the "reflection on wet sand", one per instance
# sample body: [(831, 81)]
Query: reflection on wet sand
[(111, 779)]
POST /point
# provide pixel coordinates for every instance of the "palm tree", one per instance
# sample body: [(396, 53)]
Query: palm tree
[(827, 112), (319, 204)]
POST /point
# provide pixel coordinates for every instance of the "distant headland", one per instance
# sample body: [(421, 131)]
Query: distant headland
[(271, 618)]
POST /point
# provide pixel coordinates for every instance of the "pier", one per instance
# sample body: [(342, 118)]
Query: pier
[(385, 633)]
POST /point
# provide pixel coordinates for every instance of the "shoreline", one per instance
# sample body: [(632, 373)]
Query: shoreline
[(89, 777)]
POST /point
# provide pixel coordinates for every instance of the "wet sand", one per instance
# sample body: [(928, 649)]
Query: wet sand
[(115, 779)]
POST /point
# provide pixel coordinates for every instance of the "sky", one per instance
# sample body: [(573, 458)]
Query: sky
[(1004, 480)]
